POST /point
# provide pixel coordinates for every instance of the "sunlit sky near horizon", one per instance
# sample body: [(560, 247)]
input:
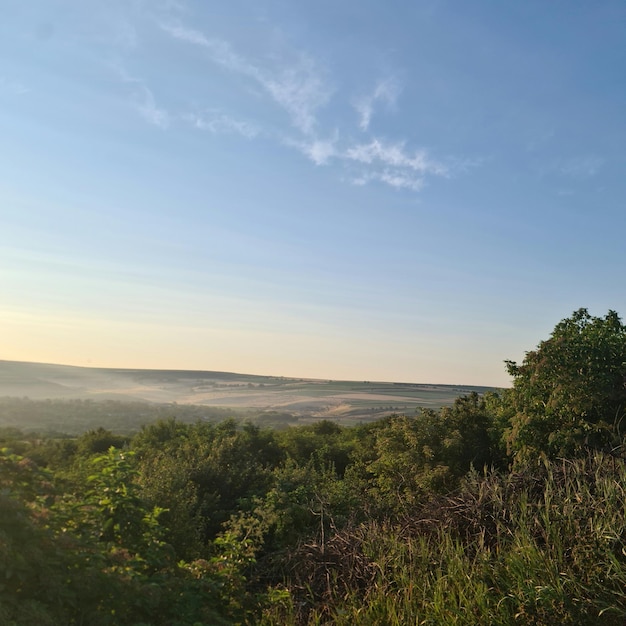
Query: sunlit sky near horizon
[(403, 191)]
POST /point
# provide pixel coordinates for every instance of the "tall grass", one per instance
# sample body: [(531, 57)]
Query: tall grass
[(545, 545)]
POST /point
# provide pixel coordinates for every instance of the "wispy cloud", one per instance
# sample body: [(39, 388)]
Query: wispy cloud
[(393, 179), (297, 87), (395, 155), (376, 161), (125, 34), (581, 166), (218, 123), (12, 87), (320, 151), (186, 34), (386, 92), (300, 91), (399, 180), (148, 109), (143, 99)]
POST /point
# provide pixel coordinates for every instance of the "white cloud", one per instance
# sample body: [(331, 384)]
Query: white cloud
[(375, 162), (320, 151), (395, 179), (399, 180), (186, 34), (394, 155), (219, 51), (386, 91), (148, 109), (217, 123), (298, 88), (300, 91)]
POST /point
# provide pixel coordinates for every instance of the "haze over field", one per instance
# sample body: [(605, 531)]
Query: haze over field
[(69, 399), (408, 191)]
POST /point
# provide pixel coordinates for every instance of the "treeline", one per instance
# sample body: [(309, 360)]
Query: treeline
[(502, 509)]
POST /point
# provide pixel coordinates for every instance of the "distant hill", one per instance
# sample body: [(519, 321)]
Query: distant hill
[(302, 399)]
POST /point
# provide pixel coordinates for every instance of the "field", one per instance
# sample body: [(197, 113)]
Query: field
[(191, 395)]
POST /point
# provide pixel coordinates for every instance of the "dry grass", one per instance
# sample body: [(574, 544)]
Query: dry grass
[(546, 545)]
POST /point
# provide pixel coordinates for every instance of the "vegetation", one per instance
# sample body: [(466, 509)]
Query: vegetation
[(74, 416), (504, 508), (570, 393)]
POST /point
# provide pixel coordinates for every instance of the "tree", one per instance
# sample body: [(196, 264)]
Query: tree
[(569, 394), (472, 423)]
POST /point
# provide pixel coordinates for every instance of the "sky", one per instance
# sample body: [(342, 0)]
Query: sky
[(403, 191)]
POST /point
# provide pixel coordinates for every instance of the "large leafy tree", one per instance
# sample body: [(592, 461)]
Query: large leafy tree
[(569, 394)]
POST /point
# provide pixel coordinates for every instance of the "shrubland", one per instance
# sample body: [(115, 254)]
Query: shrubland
[(505, 508)]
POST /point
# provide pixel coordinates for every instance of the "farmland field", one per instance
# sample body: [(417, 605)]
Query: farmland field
[(211, 395)]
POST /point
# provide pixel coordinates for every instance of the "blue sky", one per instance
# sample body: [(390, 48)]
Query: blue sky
[(410, 191)]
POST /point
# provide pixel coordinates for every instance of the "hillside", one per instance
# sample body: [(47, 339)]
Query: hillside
[(302, 399)]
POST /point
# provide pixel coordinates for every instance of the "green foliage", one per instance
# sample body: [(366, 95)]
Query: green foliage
[(117, 512), (405, 459), (101, 560), (569, 393), (324, 443), (53, 417), (404, 520), (203, 474), (474, 420), (308, 501), (410, 461), (36, 565), (99, 440)]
